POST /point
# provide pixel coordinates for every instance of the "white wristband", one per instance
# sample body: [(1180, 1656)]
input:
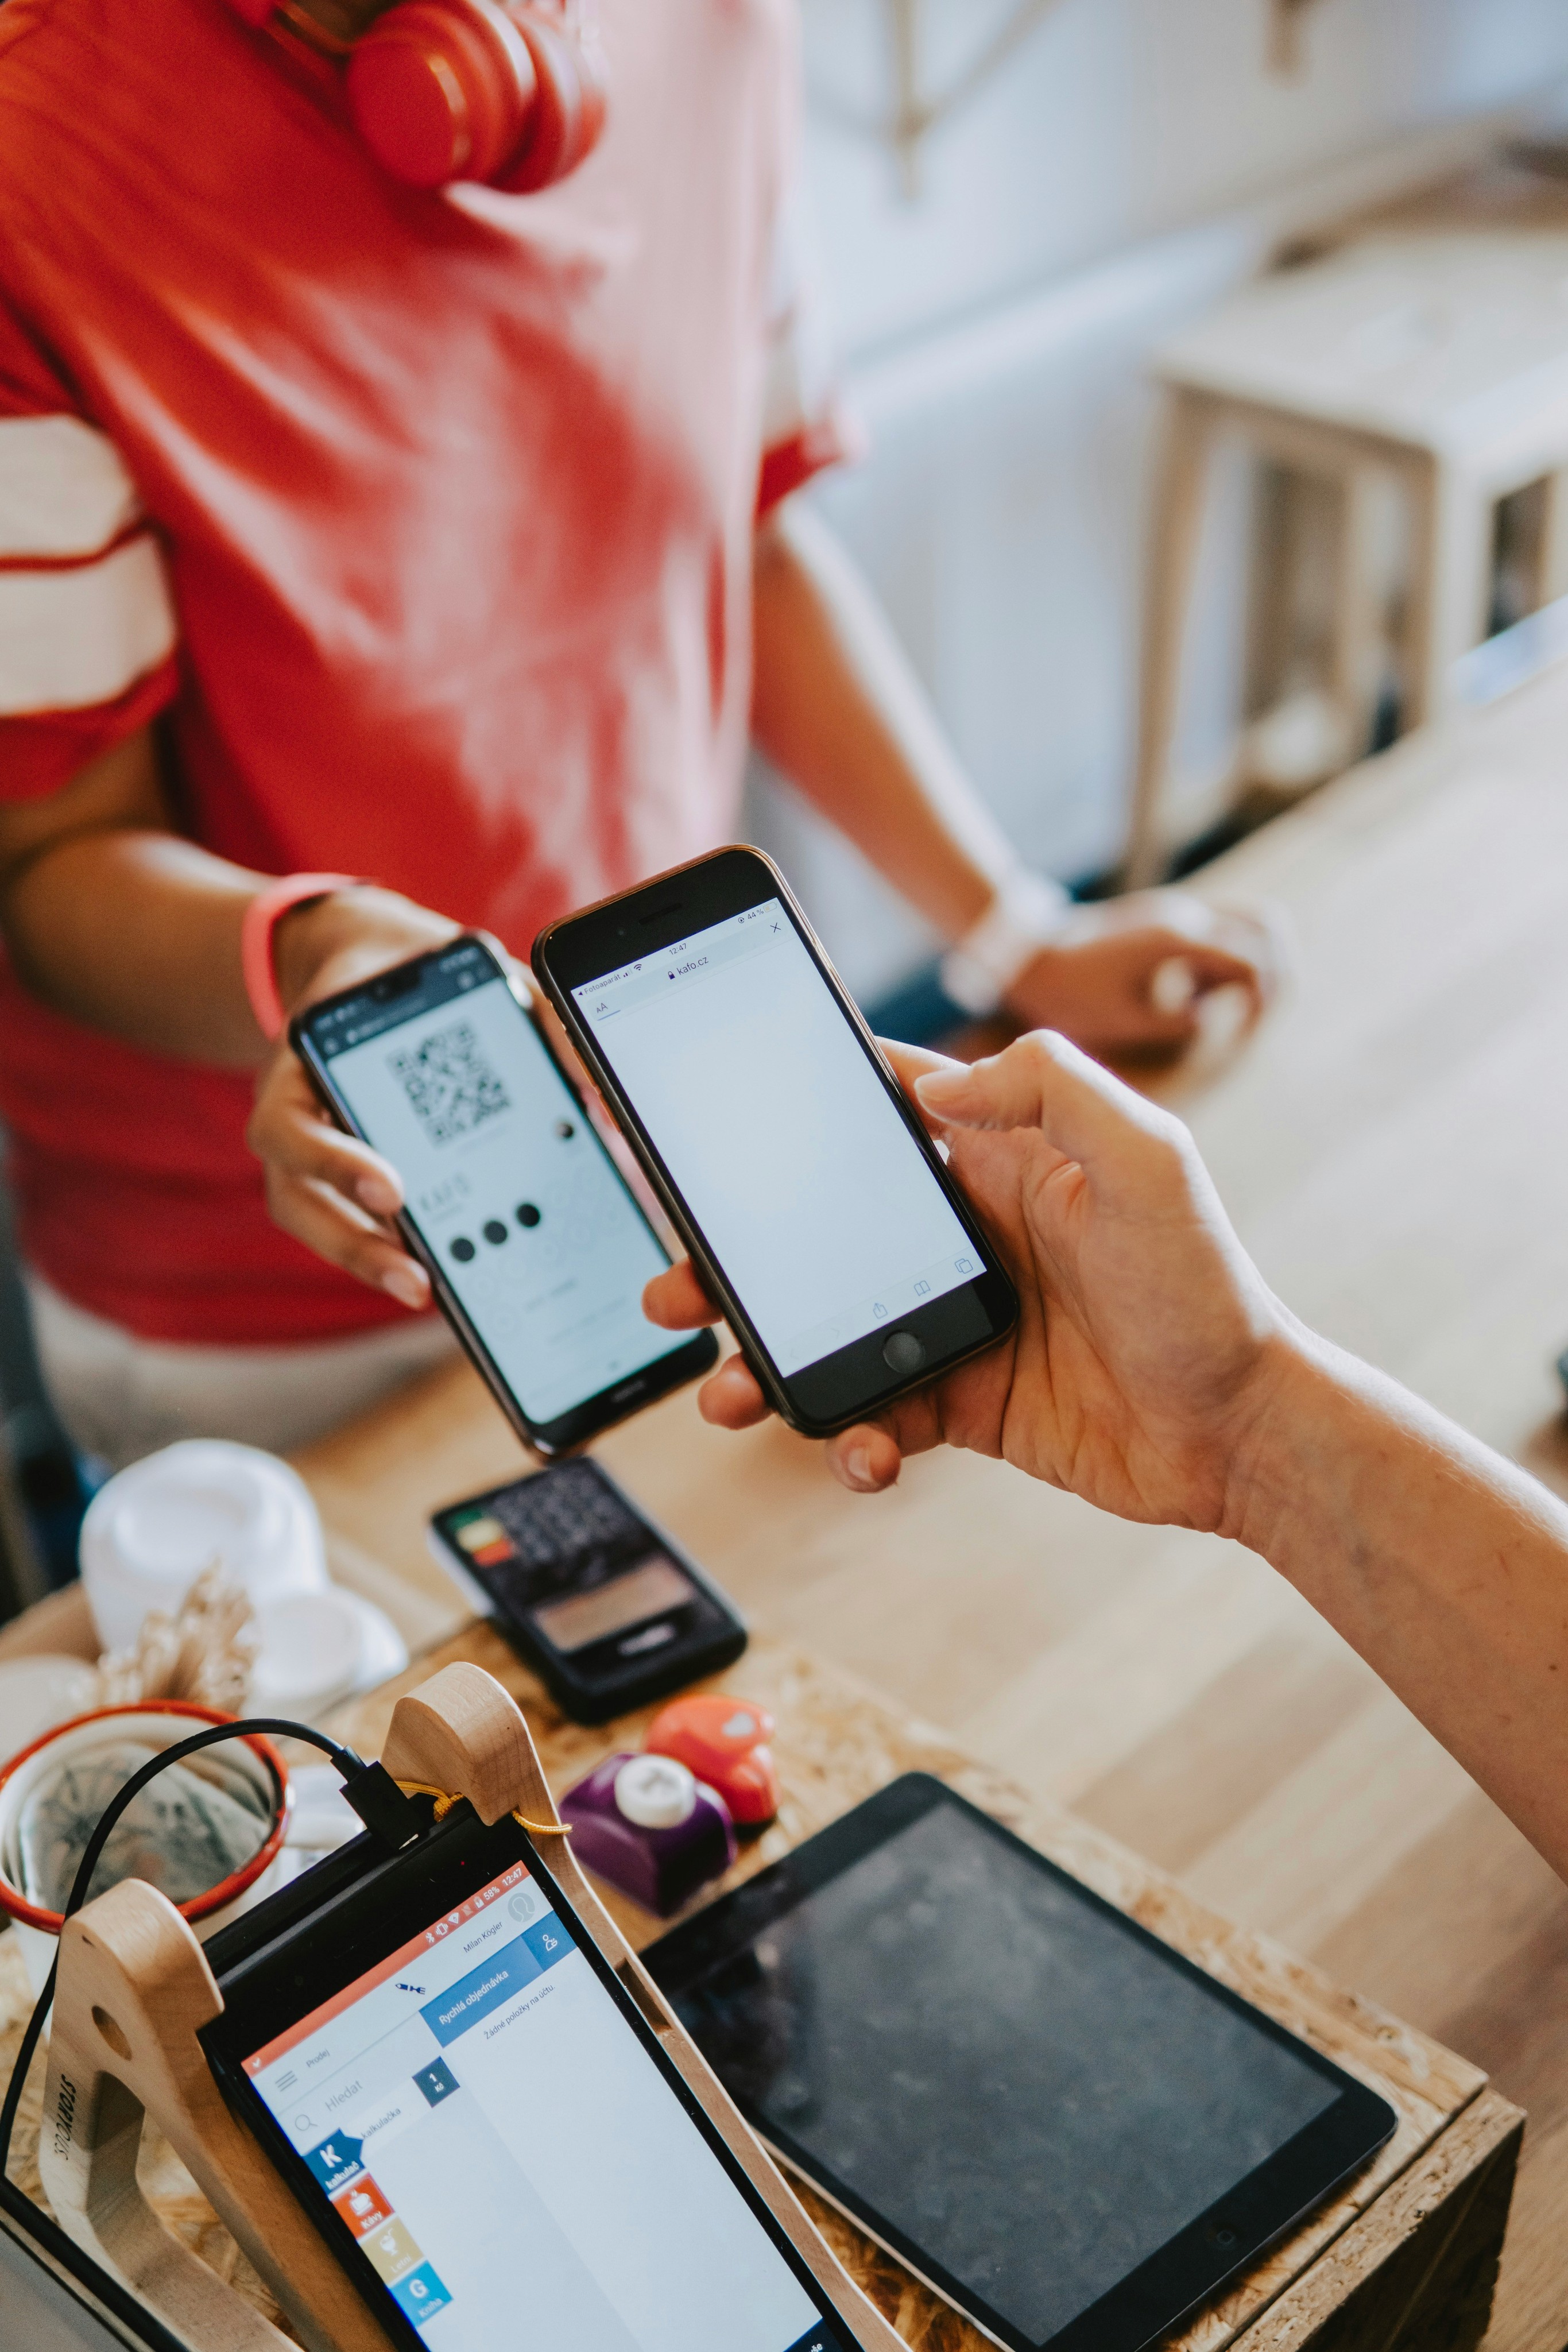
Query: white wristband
[(1025, 914)]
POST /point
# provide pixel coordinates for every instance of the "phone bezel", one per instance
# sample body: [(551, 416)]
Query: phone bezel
[(316, 1956), (584, 1699), (711, 888), (567, 1432)]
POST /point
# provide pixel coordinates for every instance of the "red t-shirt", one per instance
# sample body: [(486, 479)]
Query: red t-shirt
[(423, 520)]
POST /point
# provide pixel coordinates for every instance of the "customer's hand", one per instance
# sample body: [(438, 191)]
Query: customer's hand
[(1147, 1348), (1131, 975), (328, 1189)]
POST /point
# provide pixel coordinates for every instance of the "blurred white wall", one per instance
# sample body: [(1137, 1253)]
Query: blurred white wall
[(1132, 160)]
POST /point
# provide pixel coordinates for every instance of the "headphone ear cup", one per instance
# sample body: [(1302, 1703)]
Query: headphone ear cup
[(442, 91), (569, 110)]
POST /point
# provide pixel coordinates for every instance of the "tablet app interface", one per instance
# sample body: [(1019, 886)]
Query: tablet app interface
[(511, 2161), (505, 1178), (771, 1120)]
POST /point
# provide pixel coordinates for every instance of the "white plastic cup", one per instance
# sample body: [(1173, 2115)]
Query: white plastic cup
[(316, 1647), (150, 1532)]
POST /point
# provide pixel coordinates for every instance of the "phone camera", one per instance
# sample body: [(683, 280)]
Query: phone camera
[(565, 1130), (495, 1231), (527, 1215), (462, 1249)]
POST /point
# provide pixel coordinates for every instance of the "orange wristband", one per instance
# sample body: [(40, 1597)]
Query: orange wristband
[(260, 921)]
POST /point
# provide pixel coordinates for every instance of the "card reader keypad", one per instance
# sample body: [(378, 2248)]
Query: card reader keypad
[(583, 1586), (564, 1513)]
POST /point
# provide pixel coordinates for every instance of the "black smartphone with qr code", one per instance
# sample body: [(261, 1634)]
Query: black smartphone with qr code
[(474, 2112), (535, 1246), (606, 1608), (816, 1208)]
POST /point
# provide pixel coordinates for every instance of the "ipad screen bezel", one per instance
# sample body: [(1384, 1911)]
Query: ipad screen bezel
[(1191, 2266)]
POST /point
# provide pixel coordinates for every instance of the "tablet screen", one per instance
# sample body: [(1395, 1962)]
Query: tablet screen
[(503, 2150), (1012, 2084)]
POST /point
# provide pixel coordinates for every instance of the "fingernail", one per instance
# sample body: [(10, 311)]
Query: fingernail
[(938, 1087), (857, 1469), (374, 1193), (1173, 985), (406, 1284)]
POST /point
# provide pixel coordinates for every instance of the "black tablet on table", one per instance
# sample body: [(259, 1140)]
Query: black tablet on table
[(1063, 2126)]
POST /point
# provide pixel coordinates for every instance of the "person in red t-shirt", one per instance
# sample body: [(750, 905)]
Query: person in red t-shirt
[(438, 536)]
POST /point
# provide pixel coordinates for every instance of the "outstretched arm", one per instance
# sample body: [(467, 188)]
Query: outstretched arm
[(837, 707), (1154, 1373), (1443, 1564), (111, 916)]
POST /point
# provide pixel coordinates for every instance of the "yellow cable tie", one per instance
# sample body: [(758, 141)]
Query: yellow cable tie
[(445, 1800)]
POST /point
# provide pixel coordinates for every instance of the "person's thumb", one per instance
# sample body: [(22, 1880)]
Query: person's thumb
[(1041, 1081)]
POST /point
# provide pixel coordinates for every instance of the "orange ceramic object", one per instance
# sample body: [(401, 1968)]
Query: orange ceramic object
[(723, 1741)]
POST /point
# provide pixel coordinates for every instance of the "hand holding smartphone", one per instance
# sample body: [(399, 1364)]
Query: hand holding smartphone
[(537, 1249), (815, 1207)]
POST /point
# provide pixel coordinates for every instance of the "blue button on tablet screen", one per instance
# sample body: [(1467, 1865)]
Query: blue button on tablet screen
[(488, 1987), (421, 2293)]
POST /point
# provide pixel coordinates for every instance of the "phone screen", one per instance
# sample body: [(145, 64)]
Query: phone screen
[(513, 2165), (774, 1128), (511, 1190)]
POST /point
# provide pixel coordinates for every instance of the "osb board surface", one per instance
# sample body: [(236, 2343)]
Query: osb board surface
[(836, 1744)]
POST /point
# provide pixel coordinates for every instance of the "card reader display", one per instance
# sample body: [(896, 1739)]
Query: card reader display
[(602, 1603), (500, 2150), (562, 1552)]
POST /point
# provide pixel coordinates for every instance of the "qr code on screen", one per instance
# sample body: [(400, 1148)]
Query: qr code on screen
[(450, 1085)]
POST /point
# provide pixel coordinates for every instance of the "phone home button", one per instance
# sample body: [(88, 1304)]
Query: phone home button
[(903, 1353)]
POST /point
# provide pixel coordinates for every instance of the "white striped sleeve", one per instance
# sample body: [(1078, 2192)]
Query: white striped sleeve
[(85, 608)]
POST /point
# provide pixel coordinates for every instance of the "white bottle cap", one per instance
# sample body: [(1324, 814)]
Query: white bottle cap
[(656, 1791)]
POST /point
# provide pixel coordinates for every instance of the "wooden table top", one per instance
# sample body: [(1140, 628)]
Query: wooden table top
[(1449, 341), (1392, 1150)]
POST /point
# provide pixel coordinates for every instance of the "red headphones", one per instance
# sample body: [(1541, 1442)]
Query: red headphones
[(511, 95)]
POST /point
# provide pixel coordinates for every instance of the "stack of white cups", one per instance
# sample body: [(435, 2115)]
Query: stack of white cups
[(150, 1531)]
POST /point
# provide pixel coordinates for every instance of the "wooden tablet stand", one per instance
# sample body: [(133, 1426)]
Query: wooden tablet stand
[(134, 1985)]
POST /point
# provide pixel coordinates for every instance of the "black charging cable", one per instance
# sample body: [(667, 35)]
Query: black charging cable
[(370, 1789)]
